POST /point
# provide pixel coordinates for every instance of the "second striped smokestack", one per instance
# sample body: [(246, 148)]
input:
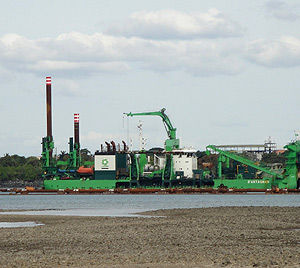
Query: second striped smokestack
[(49, 112), (76, 131)]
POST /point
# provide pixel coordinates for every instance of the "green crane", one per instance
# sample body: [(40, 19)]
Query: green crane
[(171, 143), (223, 155), (288, 180), (48, 162), (292, 165)]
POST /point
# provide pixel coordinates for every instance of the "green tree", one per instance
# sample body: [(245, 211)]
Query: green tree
[(13, 167), (12, 160), (63, 156), (86, 155)]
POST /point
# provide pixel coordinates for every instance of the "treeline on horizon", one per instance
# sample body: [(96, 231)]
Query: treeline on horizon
[(15, 167)]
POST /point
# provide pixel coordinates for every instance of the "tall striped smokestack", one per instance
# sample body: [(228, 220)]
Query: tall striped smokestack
[(49, 107), (76, 131)]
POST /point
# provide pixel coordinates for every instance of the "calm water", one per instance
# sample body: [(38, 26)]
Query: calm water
[(124, 205)]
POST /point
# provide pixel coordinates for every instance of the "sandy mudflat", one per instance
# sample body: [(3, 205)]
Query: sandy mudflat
[(207, 237)]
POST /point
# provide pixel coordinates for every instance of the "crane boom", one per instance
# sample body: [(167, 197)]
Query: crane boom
[(244, 161), (172, 142)]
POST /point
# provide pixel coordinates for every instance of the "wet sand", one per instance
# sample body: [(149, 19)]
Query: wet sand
[(206, 237)]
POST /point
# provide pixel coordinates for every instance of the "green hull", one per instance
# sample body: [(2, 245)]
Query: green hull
[(79, 184), (111, 184), (244, 183)]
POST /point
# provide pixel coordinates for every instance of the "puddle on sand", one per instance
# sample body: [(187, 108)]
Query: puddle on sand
[(19, 224)]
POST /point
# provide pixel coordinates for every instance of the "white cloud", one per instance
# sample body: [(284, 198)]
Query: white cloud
[(80, 67), (282, 11), (74, 54), (282, 53), (171, 24), (16, 48)]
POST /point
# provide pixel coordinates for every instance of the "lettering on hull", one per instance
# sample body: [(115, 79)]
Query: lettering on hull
[(258, 181)]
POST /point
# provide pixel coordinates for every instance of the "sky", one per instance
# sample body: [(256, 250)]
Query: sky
[(227, 71)]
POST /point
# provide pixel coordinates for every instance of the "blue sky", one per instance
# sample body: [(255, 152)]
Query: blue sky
[(227, 72)]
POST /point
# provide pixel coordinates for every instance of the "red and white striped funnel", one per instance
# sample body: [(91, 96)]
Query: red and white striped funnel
[(76, 118), (76, 131), (48, 80)]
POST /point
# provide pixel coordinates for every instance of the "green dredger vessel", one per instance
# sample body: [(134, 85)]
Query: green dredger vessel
[(115, 167)]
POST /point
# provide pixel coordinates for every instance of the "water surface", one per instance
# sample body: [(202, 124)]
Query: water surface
[(124, 205)]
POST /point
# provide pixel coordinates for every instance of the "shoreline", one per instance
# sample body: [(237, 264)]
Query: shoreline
[(202, 237)]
